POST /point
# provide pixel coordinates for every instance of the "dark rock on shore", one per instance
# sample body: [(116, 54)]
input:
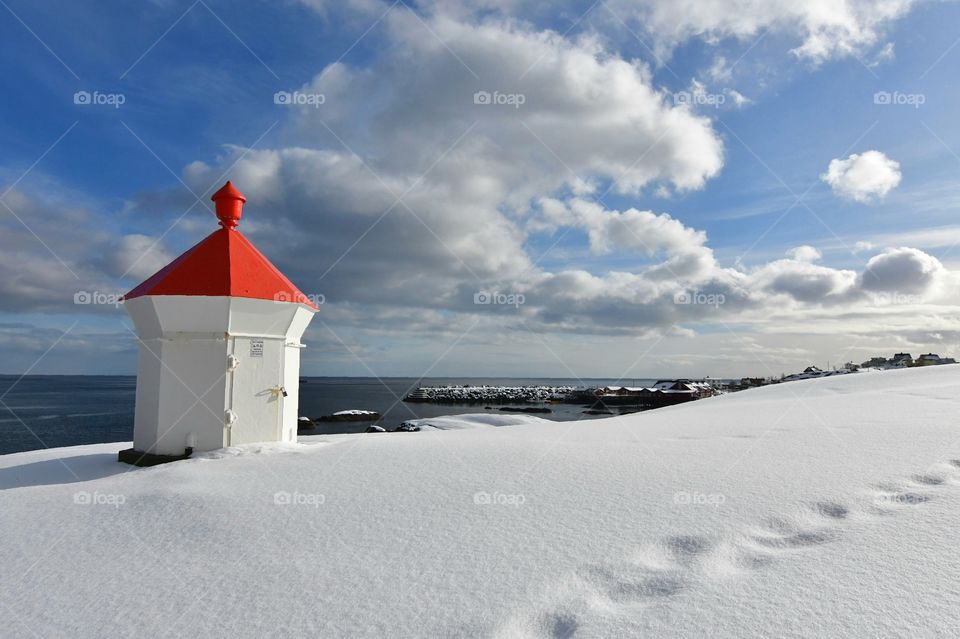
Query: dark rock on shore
[(351, 416)]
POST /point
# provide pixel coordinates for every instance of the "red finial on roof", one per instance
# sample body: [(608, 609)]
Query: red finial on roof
[(229, 203)]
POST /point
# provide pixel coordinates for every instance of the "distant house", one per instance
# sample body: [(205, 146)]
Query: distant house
[(702, 389), (698, 389), (901, 359), (664, 392)]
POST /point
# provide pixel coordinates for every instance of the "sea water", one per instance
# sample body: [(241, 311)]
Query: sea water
[(48, 411)]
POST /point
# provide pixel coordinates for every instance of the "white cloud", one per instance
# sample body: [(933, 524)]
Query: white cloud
[(819, 29), (469, 174), (487, 188), (137, 257), (55, 250), (802, 281), (586, 112), (863, 177), (805, 253), (825, 28), (885, 54), (720, 70), (907, 271), (738, 98)]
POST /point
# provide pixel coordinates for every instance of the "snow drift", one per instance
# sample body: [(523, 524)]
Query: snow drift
[(824, 507)]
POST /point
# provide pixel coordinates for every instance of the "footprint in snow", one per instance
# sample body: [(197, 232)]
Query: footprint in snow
[(677, 563), (930, 479), (650, 587), (781, 534), (628, 583), (686, 548), (799, 539), (891, 496), (832, 510), (562, 626)]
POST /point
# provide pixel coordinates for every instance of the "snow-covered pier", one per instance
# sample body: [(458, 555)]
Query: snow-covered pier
[(491, 394)]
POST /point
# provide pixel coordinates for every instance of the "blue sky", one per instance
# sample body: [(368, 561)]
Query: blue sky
[(100, 196)]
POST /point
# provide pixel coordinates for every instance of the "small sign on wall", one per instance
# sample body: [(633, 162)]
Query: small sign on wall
[(256, 348)]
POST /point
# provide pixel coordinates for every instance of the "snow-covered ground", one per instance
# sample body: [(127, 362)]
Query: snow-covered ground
[(827, 507)]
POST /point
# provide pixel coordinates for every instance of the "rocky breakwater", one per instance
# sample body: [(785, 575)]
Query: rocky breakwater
[(490, 394)]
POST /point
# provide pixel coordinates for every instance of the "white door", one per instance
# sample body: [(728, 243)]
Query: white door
[(256, 397)]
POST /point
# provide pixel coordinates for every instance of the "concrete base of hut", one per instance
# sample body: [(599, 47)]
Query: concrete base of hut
[(136, 457)]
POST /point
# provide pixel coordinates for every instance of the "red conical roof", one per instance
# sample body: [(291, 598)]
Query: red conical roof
[(225, 263)]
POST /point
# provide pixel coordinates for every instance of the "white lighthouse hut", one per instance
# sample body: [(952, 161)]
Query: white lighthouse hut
[(219, 363)]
